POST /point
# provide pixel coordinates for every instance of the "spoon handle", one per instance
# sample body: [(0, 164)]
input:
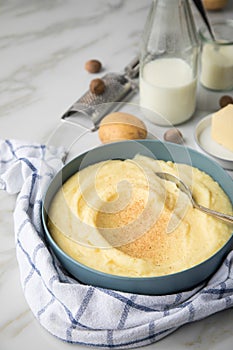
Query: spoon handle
[(201, 9), (221, 216), (184, 188)]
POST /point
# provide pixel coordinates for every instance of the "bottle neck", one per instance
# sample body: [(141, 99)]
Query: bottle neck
[(172, 18), (172, 7), (169, 2), (170, 32)]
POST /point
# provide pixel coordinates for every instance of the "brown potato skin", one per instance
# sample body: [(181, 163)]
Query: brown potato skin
[(118, 126), (214, 4)]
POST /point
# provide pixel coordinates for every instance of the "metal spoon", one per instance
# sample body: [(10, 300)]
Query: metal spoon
[(184, 188), (202, 11)]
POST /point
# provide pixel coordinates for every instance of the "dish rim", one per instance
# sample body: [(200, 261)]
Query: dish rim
[(226, 162)]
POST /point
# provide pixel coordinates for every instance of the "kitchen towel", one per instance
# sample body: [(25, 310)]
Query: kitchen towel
[(78, 313)]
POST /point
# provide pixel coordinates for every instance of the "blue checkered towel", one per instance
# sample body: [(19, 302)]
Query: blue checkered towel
[(83, 314)]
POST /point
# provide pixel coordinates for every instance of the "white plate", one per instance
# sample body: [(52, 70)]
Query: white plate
[(206, 143)]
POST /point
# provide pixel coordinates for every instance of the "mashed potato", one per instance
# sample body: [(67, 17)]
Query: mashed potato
[(120, 218)]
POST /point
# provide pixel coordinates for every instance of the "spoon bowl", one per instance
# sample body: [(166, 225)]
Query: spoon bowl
[(184, 188)]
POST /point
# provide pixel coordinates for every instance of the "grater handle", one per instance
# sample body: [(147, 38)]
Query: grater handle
[(132, 69)]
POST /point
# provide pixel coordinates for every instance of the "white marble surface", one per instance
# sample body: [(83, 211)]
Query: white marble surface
[(44, 45)]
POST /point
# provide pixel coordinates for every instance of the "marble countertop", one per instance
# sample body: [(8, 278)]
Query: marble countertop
[(44, 46)]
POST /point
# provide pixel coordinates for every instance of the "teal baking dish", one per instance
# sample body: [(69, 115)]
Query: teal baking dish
[(168, 284)]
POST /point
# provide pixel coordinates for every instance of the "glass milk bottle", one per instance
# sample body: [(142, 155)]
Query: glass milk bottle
[(168, 63)]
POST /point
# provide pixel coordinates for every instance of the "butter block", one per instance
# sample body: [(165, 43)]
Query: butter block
[(222, 127)]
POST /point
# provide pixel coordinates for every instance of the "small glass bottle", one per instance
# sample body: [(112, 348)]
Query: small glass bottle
[(169, 63), (217, 57)]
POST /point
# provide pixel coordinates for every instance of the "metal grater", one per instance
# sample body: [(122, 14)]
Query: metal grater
[(85, 115), (119, 87)]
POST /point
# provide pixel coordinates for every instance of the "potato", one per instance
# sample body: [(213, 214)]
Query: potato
[(120, 126), (214, 4)]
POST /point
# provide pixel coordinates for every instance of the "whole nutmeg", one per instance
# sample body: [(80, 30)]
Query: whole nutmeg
[(97, 86), (225, 100), (118, 126), (173, 135), (93, 66)]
